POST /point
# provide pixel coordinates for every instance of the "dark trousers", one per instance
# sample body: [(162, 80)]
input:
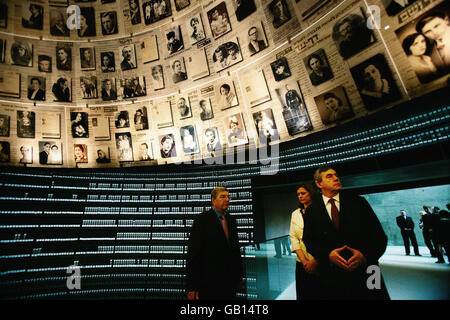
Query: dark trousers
[(409, 234), (307, 285), (427, 240)]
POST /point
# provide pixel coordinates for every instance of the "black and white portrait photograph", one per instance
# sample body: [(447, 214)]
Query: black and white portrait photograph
[(149, 48), (295, 113), (44, 63), (122, 119), (109, 91), (107, 61), (351, 35), (181, 4), (32, 16), (157, 78), (3, 15), (62, 89), (174, 40), (145, 151), (102, 154), (109, 23), (189, 139), (396, 6), (135, 11), (178, 70), (162, 113), (183, 107), (128, 53), (58, 26), (12, 87), (79, 124), (265, 126), (196, 32), (235, 130), (257, 40), (212, 139), (155, 10), (140, 119), (226, 55), (2, 50), (22, 54), (206, 111), (101, 128), (124, 146), (219, 21), (50, 125), (133, 87), (88, 86), (279, 13), (4, 125), (50, 152), (243, 8), (87, 22), (375, 82), (4, 151), (26, 154), (426, 43), (318, 68), (26, 124), (255, 86), (64, 58), (333, 105), (87, 58), (36, 88), (280, 69), (167, 146), (226, 94)]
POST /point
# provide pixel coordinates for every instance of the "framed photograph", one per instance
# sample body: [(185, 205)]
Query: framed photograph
[(62, 90), (140, 119), (243, 8), (226, 94), (36, 88), (26, 154), (44, 63), (79, 124), (88, 86), (4, 151), (206, 111), (197, 64), (4, 125), (100, 128), (280, 69), (394, 7), (109, 90), (107, 61), (280, 13), (102, 154), (87, 22), (122, 119), (9, 84), (149, 49), (51, 125), (212, 139), (87, 58), (375, 82), (80, 153), (257, 40), (189, 139), (219, 20), (167, 146), (145, 151), (181, 4), (255, 87), (3, 15), (295, 114), (178, 70), (22, 53), (135, 11), (333, 105), (226, 55), (318, 67), (26, 124), (235, 130), (58, 25), (133, 87), (64, 58), (183, 107), (32, 16), (128, 57), (351, 35), (2, 50), (109, 23), (196, 32), (266, 126), (157, 78), (50, 152), (155, 10), (124, 146), (162, 113), (174, 40)]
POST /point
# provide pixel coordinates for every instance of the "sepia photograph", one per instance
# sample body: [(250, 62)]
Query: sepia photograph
[(58, 26), (4, 151), (133, 87), (10, 88), (167, 146), (257, 40), (181, 4), (183, 107), (26, 154), (226, 55), (51, 125), (197, 64), (226, 94), (109, 91), (265, 126), (279, 12), (149, 49), (80, 153), (254, 85), (178, 70), (174, 40), (87, 22), (50, 152), (100, 128), (206, 111), (107, 61), (393, 7), (79, 124), (141, 119), (235, 130), (122, 119), (318, 67), (212, 139), (2, 50), (128, 53), (280, 69), (102, 154), (36, 88), (196, 32), (145, 151), (26, 124), (62, 90), (157, 78), (189, 139), (32, 15), (4, 125), (22, 54), (3, 15), (219, 21), (87, 58), (124, 146), (243, 8), (333, 105), (162, 113), (64, 58), (44, 63), (88, 86), (155, 10), (135, 11), (109, 23)]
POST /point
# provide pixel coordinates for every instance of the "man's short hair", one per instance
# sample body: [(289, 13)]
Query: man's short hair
[(427, 18), (216, 191), (318, 173)]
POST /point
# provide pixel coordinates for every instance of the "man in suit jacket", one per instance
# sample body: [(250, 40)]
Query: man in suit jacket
[(406, 226), (213, 264), (43, 155), (344, 234)]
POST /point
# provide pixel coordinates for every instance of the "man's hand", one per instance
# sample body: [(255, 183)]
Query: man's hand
[(336, 259), (356, 260), (310, 266), (193, 295)]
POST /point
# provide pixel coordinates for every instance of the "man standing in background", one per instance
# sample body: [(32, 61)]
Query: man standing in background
[(406, 226)]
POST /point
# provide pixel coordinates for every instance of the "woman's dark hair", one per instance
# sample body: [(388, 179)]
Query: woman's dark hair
[(409, 40), (330, 95), (309, 187)]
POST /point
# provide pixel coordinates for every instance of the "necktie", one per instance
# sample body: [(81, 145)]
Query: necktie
[(224, 225), (334, 214)]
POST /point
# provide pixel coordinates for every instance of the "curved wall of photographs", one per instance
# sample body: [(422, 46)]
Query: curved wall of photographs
[(132, 82)]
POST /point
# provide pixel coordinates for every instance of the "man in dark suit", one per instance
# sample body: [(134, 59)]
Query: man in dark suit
[(213, 264), (43, 155), (406, 226), (344, 234), (34, 91)]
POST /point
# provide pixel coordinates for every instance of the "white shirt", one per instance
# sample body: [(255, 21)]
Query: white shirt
[(328, 204), (296, 234)]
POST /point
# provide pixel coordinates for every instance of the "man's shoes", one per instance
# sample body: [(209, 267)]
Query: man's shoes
[(418, 254), (440, 261), (407, 254)]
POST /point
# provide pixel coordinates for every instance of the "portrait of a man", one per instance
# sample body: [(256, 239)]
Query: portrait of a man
[(45, 63), (212, 139), (36, 88), (109, 23), (167, 146), (58, 26), (174, 40), (280, 13), (128, 57), (178, 70), (317, 65), (256, 39), (64, 58), (61, 90)]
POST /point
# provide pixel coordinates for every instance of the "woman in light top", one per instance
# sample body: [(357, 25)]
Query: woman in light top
[(417, 48)]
